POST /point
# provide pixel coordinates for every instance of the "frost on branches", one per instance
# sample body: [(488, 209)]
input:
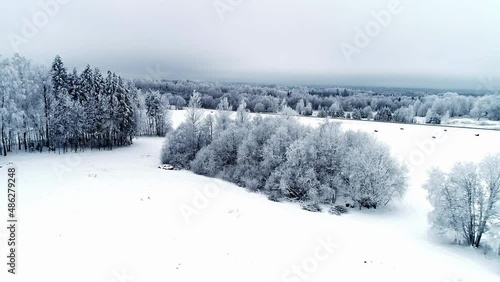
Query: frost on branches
[(283, 159), (466, 200)]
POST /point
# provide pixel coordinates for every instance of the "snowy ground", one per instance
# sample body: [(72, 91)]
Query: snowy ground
[(114, 216), (470, 122)]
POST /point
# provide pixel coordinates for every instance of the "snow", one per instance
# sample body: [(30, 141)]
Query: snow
[(114, 216), (470, 122)]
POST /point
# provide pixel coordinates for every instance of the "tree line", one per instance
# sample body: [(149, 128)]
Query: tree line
[(404, 105), (60, 111)]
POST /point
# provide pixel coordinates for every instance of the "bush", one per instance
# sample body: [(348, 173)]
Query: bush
[(368, 203), (338, 210), (275, 197), (311, 206)]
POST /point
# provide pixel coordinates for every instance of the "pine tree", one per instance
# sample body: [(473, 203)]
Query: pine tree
[(88, 101), (97, 106), (124, 114), (110, 102), (59, 77)]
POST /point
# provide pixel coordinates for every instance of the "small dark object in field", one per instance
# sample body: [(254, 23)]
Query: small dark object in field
[(376, 130), (365, 261), (477, 135), (348, 205), (446, 130), (142, 199), (433, 137), (402, 128), (338, 210), (149, 198), (312, 207)]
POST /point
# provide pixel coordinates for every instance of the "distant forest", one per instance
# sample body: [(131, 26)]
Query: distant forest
[(55, 109), (397, 105)]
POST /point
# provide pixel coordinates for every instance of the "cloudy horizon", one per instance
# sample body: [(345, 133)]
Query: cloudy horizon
[(374, 43)]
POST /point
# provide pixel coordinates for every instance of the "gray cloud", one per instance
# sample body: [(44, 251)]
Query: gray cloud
[(444, 44)]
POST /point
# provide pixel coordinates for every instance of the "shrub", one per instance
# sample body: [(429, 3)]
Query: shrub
[(311, 206), (338, 210)]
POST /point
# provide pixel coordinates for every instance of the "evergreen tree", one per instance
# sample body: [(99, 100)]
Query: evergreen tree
[(384, 115), (59, 77)]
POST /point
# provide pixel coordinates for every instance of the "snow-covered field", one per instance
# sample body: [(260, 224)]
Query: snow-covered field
[(470, 122), (114, 216)]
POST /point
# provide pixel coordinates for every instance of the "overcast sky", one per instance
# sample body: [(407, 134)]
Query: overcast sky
[(426, 43)]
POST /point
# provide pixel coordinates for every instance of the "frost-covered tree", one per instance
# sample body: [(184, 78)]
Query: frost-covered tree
[(242, 114), (59, 76), (322, 112), (180, 146), (158, 116), (223, 118), (465, 200), (299, 108), (329, 144), (308, 110), (367, 112), (251, 154), (487, 107), (295, 177), (404, 115), (284, 159), (220, 157), (356, 114), (287, 112), (194, 113), (432, 117), (384, 114), (371, 177), (55, 109), (259, 108), (336, 110)]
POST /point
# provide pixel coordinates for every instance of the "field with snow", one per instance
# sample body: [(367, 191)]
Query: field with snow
[(114, 216)]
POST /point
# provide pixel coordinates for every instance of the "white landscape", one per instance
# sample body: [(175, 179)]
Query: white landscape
[(114, 216), (249, 140)]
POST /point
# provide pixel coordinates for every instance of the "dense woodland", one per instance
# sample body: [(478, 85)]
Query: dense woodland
[(397, 106), (285, 160), (60, 111)]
